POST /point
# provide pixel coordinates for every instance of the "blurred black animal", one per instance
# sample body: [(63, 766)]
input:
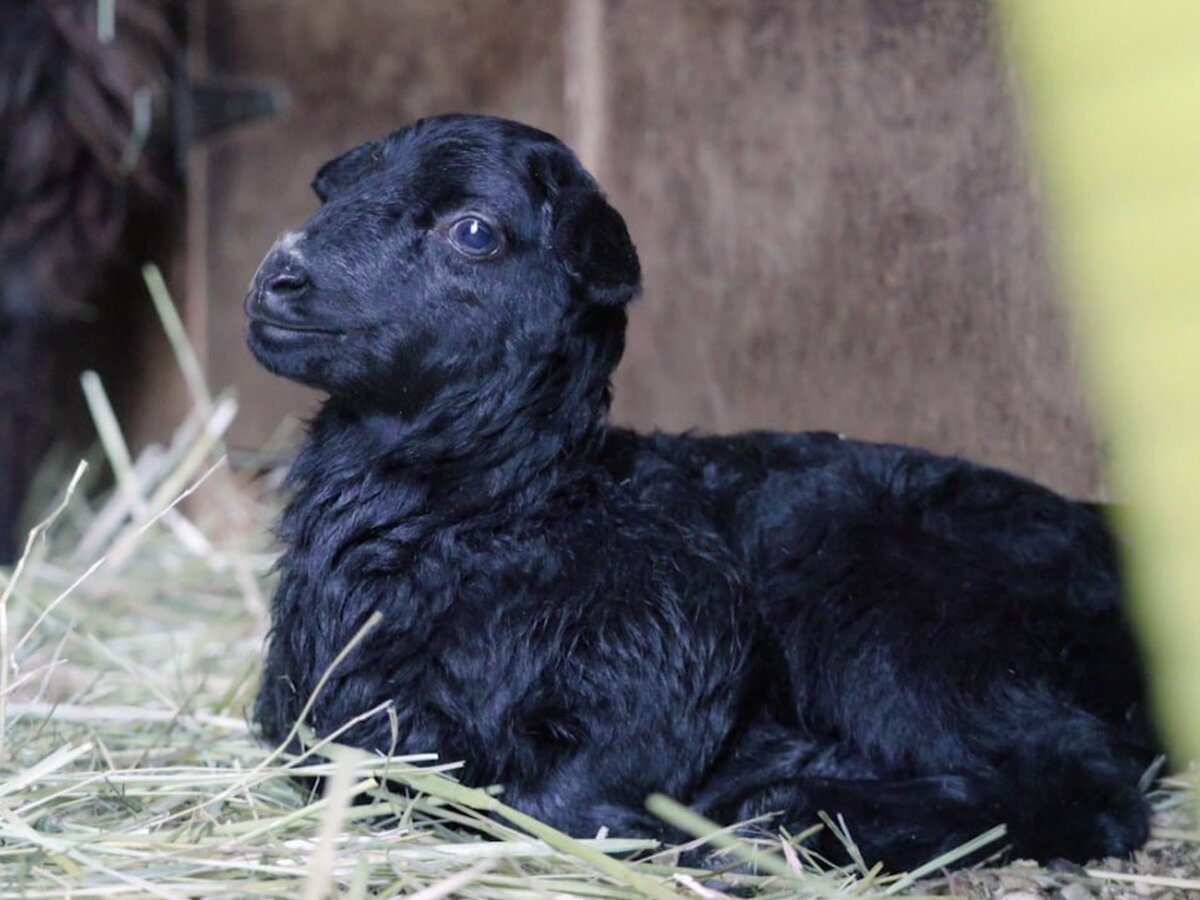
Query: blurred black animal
[(76, 158), (755, 623)]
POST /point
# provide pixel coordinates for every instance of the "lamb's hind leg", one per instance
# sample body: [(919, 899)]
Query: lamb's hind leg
[(952, 622), (938, 766), (902, 824), (775, 771), (1069, 791)]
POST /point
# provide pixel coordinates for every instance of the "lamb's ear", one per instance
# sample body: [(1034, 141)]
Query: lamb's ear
[(591, 239), (342, 171)]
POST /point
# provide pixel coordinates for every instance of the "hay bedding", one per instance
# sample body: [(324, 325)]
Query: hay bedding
[(130, 639)]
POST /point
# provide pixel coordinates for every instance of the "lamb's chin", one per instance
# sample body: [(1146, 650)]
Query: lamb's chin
[(290, 353)]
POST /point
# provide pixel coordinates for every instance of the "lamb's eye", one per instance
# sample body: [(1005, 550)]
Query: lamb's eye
[(473, 237)]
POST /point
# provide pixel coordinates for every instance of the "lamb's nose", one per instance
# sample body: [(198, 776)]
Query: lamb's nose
[(286, 285), (279, 290)]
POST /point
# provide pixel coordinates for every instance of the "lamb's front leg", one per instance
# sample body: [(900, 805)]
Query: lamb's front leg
[(592, 764), (587, 794)]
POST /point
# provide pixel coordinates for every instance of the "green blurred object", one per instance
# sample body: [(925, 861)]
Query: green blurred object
[(1113, 91)]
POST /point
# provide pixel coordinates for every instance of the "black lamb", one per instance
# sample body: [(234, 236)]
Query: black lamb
[(752, 623)]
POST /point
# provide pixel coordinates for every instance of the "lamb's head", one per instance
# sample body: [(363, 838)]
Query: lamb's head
[(452, 253)]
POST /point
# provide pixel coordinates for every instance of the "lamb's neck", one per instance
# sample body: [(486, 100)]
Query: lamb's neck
[(447, 465)]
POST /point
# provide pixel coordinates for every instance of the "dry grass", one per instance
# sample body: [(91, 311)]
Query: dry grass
[(130, 640)]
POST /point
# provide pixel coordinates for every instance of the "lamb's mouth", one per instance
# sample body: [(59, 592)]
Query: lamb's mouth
[(297, 327)]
